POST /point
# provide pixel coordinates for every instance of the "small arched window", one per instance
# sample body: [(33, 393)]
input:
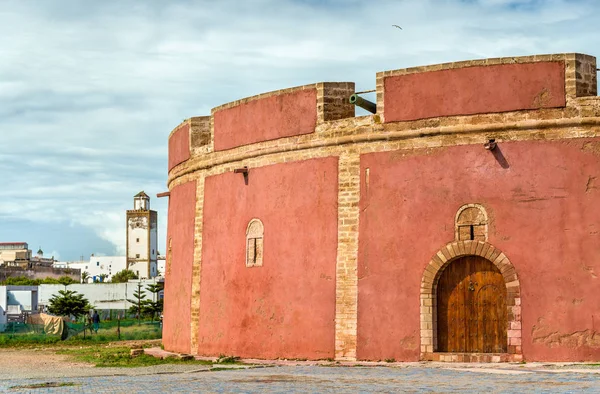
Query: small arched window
[(471, 223), (254, 243)]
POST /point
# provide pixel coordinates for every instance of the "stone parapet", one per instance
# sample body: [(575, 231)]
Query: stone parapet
[(579, 77)]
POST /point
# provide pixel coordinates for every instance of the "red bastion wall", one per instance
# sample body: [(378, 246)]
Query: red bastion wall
[(286, 308), (474, 90), (178, 275), (269, 118), (179, 146), (541, 197)]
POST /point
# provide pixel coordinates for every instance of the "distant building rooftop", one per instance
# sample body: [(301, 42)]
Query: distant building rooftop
[(14, 245)]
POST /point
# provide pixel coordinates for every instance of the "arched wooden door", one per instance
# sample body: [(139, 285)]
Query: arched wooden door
[(471, 307)]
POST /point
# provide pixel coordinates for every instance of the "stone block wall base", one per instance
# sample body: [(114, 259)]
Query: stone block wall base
[(472, 357)]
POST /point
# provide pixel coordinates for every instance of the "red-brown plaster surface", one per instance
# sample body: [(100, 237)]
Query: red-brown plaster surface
[(178, 275), (544, 208), (179, 146), (474, 90), (286, 308), (268, 118)]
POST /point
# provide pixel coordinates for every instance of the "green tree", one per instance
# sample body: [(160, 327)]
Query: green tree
[(155, 306), (66, 280), (68, 302), (140, 304), (102, 277), (124, 276)]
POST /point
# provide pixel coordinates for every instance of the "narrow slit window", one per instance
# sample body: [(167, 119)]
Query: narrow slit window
[(254, 243)]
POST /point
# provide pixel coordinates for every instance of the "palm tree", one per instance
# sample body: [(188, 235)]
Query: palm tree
[(84, 276)]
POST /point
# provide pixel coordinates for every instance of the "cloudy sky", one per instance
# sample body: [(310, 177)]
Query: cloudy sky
[(89, 90)]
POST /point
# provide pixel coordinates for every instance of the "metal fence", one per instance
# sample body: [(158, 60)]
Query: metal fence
[(109, 330)]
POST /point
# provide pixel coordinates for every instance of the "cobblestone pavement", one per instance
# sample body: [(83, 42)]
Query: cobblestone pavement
[(321, 379)]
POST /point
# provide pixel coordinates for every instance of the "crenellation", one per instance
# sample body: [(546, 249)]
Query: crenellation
[(200, 134)]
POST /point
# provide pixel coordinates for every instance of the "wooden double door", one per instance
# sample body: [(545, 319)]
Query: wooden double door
[(471, 307)]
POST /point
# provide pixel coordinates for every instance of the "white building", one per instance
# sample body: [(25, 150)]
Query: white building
[(96, 267), (161, 265), (14, 254), (142, 239)]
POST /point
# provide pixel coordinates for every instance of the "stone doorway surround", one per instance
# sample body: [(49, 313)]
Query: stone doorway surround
[(440, 260)]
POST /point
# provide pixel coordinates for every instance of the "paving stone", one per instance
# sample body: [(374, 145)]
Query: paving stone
[(332, 379)]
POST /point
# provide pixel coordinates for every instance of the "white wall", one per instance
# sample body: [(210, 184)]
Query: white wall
[(141, 269), (2, 307), (161, 265), (100, 295), (138, 247), (108, 265)]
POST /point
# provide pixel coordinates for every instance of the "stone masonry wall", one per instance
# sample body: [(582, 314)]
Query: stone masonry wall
[(346, 307)]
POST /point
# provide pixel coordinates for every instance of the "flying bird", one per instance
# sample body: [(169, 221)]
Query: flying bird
[(397, 27)]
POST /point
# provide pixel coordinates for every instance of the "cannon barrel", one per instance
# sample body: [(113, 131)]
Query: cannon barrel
[(364, 104)]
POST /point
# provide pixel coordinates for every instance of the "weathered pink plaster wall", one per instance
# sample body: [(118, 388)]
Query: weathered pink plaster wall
[(269, 118), (179, 146), (178, 275), (543, 200), (286, 308), (474, 90)]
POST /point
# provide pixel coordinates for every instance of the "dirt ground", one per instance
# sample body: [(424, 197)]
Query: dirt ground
[(24, 363), (31, 362)]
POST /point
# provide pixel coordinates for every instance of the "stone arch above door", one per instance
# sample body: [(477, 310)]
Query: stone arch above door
[(436, 265)]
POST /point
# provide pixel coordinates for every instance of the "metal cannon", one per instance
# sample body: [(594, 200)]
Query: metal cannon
[(363, 103)]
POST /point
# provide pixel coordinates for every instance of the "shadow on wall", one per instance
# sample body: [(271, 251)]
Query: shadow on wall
[(497, 152)]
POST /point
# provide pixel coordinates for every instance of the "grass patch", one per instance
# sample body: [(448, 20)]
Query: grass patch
[(27, 340), (104, 356), (217, 369), (33, 336), (227, 359)]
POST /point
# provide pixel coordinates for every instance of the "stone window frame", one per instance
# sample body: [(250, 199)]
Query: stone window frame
[(483, 223), (255, 235), (169, 256), (428, 301)]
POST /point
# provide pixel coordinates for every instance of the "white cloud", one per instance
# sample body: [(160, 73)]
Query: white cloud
[(89, 91)]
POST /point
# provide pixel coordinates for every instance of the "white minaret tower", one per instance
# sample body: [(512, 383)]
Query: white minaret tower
[(142, 237)]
